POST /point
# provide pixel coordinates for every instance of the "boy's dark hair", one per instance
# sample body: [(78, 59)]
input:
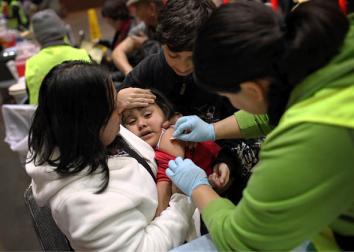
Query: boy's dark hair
[(180, 21), (247, 41), (115, 9), (76, 100)]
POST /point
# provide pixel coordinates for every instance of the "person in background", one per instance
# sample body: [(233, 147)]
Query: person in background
[(142, 39), (116, 14), (55, 5), (302, 188), (97, 177), (50, 32), (18, 13)]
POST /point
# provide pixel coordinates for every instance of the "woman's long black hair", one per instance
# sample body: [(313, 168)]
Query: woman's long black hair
[(76, 100), (248, 41)]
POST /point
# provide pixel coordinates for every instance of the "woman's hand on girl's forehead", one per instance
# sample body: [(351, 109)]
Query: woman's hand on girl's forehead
[(134, 97)]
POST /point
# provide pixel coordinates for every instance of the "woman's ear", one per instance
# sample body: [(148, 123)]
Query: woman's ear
[(257, 90)]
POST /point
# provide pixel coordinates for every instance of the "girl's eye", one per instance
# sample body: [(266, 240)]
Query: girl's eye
[(131, 121), (147, 114)]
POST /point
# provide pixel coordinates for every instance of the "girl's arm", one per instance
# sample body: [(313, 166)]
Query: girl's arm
[(164, 192)]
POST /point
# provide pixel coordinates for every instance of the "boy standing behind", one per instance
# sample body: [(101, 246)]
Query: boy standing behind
[(170, 71)]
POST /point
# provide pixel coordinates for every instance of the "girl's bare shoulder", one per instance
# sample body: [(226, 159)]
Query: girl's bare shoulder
[(170, 145)]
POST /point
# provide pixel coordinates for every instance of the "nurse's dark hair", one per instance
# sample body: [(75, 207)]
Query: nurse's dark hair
[(248, 41), (76, 100)]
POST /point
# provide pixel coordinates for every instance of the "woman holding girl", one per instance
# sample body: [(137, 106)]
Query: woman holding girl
[(97, 178)]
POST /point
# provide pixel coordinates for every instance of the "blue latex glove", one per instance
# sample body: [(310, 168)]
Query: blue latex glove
[(193, 129), (186, 175)]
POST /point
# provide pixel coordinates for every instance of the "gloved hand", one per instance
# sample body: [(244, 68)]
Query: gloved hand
[(186, 175), (193, 129)]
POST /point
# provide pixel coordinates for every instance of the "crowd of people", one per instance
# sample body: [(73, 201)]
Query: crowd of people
[(237, 115)]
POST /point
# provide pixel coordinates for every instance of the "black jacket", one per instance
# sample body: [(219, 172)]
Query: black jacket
[(182, 92)]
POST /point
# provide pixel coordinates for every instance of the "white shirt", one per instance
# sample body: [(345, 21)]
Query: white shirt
[(120, 218)]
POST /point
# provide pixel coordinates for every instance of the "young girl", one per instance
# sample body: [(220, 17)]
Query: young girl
[(99, 185), (151, 124)]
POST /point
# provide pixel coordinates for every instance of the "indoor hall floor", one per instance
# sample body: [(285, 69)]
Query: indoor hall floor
[(16, 230)]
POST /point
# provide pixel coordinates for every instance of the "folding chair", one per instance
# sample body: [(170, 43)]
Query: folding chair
[(49, 235), (17, 121)]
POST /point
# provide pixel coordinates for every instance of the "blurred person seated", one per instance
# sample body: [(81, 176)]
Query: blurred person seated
[(18, 14), (141, 41), (117, 15), (50, 32)]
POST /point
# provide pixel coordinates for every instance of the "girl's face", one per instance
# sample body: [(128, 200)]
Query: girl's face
[(181, 62), (111, 129), (146, 123)]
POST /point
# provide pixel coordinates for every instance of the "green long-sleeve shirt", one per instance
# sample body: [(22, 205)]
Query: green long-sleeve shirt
[(303, 182)]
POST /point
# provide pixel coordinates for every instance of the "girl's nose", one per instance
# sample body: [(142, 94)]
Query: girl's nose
[(141, 123)]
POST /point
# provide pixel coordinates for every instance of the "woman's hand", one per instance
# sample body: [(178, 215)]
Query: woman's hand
[(186, 175), (172, 122), (134, 97), (193, 129), (220, 178)]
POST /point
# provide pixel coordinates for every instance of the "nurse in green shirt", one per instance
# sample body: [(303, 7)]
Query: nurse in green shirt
[(300, 72)]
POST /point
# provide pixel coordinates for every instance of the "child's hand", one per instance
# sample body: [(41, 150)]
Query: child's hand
[(220, 178)]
